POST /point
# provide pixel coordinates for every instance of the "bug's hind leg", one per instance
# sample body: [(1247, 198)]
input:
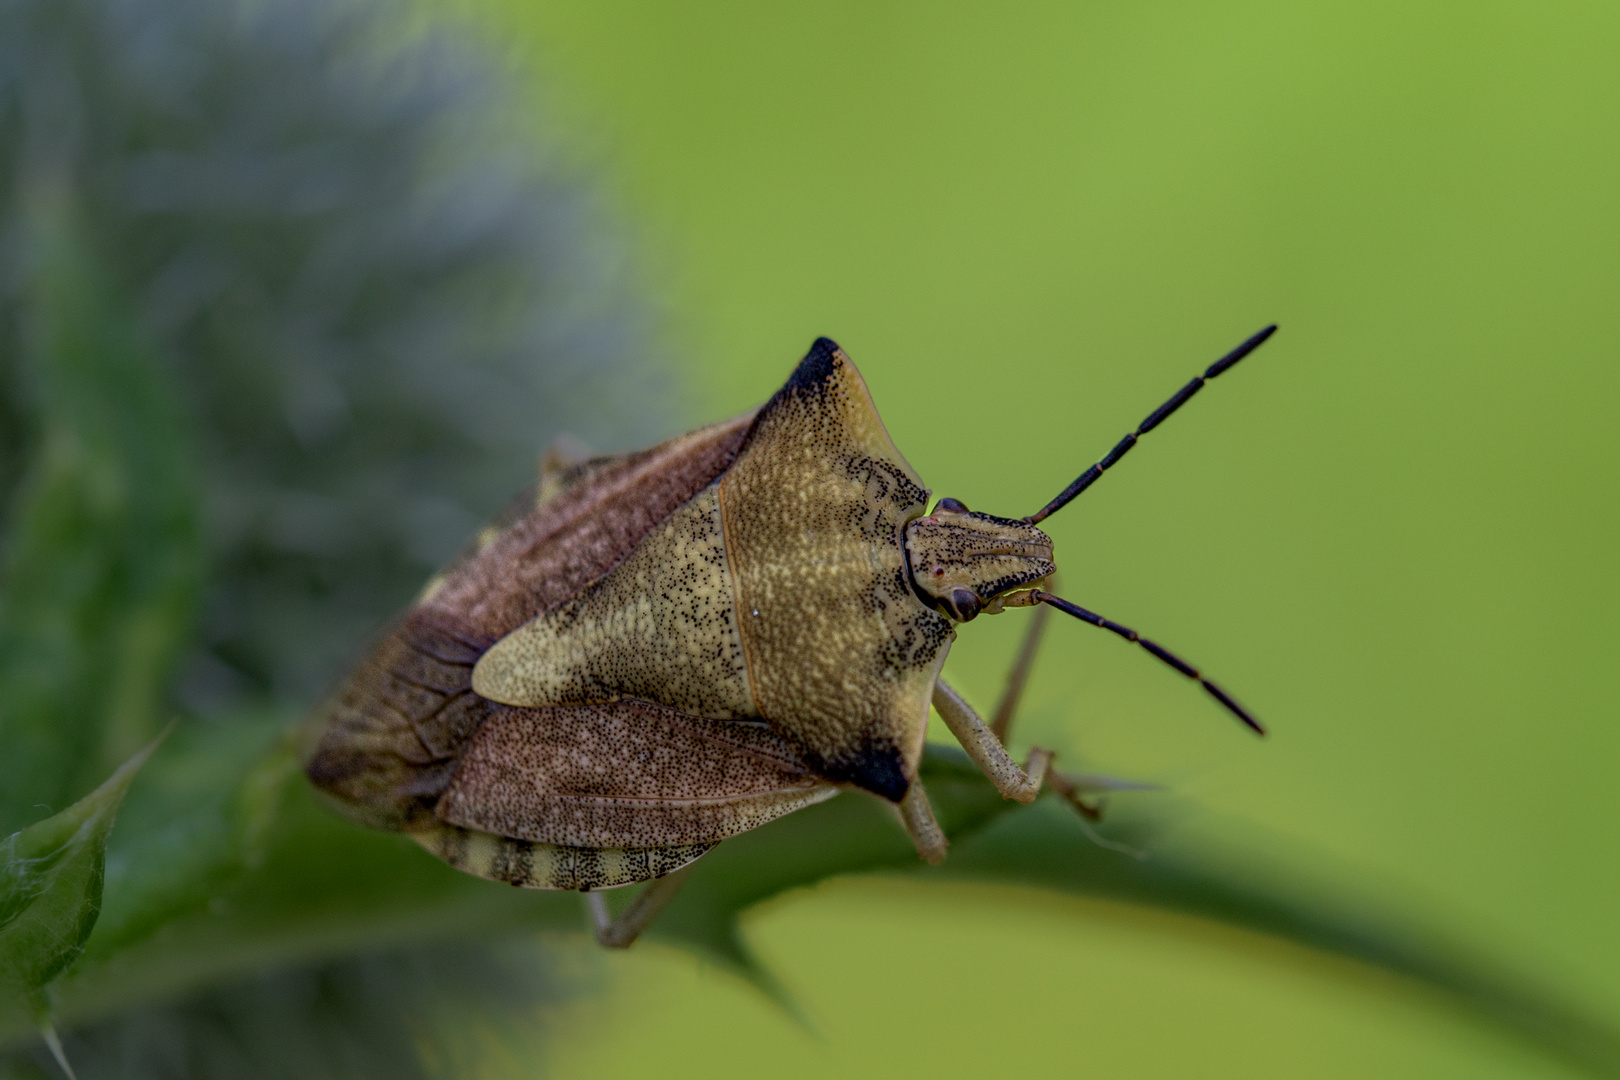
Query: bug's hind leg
[(619, 932)]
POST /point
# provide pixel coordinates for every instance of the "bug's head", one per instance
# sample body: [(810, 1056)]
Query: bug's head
[(962, 562)]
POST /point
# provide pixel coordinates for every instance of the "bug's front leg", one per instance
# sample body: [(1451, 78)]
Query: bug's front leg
[(1073, 789), (987, 746), (621, 932), (986, 750)]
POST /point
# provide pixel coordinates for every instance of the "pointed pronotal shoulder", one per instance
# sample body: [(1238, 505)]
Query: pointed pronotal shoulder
[(826, 395)]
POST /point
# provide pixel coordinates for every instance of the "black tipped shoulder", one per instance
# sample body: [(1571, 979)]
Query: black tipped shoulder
[(815, 377), (815, 371)]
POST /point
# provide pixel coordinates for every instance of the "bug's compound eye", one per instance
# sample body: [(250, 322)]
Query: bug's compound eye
[(950, 506), (965, 603)]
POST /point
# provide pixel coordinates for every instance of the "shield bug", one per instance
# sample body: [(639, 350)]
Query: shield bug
[(658, 650)]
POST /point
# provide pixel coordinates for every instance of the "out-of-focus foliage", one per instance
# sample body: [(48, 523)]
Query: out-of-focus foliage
[(286, 312), (102, 562), (372, 301), (51, 875), (399, 1012)]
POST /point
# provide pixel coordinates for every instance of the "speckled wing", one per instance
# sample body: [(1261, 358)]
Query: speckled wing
[(386, 744), (841, 655), (627, 774)]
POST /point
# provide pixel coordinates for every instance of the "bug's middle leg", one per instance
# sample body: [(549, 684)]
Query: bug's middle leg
[(622, 931), (986, 750)]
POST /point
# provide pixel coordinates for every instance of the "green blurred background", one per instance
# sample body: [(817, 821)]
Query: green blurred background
[(1392, 532), (293, 292)]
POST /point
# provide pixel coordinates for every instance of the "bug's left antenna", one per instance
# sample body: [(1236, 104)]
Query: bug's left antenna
[(1155, 418), (1153, 647)]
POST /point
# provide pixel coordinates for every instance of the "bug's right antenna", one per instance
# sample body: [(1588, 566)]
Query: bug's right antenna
[(1157, 417), (1068, 607)]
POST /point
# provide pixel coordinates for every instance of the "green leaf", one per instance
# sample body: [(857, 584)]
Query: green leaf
[(1185, 871), (324, 889), (203, 815), (50, 886)]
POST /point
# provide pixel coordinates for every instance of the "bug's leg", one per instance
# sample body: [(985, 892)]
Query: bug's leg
[(917, 815), (986, 750), (1072, 787), (1002, 720), (620, 932), (1073, 790)]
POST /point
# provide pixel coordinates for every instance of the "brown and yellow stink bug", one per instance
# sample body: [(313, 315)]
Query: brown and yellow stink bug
[(662, 649)]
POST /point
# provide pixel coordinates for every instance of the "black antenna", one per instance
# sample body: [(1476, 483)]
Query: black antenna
[(1157, 417), (1153, 647)]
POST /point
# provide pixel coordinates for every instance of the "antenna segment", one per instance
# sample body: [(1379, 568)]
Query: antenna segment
[(1155, 418)]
